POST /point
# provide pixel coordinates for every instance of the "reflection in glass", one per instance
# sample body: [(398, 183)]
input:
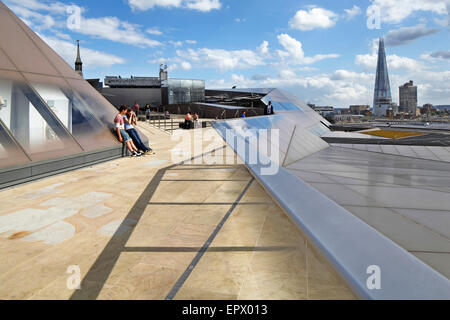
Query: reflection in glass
[(73, 112), (47, 111), (33, 125)]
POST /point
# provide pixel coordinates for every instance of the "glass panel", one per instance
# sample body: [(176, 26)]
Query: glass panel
[(73, 112), (174, 83), (198, 84), (102, 109), (18, 46), (319, 130), (31, 122), (10, 153), (186, 84)]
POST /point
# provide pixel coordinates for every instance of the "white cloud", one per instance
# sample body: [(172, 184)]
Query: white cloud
[(263, 49), (313, 19), (346, 75), (28, 11), (54, 7), (191, 42), (150, 4), (186, 65), (353, 12), (222, 59), (154, 31), (52, 15), (91, 58), (395, 11), (294, 53), (199, 5), (204, 5), (114, 29), (395, 62), (176, 43)]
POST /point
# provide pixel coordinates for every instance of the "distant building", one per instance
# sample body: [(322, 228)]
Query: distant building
[(78, 62), (359, 109), (348, 118), (382, 95), (155, 91), (344, 111), (322, 110), (408, 98), (96, 83), (427, 109)]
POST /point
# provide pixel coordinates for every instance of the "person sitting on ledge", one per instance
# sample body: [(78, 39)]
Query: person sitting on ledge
[(123, 135), (188, 121), (269, 109), (243, 115), (196, 121), (129, 121)]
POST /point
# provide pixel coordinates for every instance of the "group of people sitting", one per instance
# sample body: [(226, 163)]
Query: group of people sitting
[(191, 120), (124, 122)]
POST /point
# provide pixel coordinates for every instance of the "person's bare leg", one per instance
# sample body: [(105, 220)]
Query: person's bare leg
[(130, 148), (133, 146)]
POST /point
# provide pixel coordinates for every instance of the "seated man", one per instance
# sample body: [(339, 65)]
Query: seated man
[(129, 120), (188, 121), (123, 135)]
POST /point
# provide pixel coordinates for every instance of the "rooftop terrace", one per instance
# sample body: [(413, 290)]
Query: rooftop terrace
[(134, 227)]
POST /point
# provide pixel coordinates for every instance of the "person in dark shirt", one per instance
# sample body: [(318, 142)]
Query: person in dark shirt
[(270, 108)]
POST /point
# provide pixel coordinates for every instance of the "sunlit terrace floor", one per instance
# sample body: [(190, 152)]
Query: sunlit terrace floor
[(150, 228)]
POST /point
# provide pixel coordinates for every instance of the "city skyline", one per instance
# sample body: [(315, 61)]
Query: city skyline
[(321, 51)]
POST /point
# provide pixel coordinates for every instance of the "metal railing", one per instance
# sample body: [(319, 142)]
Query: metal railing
[(162, 123)]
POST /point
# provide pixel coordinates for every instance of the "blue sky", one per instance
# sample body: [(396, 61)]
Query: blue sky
[(321, 51)]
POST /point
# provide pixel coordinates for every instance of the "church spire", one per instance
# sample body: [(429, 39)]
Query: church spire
[(78, 63)]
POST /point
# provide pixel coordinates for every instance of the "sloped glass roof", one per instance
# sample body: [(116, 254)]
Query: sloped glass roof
[(46, 109), (298, 128)]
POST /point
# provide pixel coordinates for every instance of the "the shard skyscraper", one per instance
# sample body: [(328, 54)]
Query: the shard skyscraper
[(382, 97)]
